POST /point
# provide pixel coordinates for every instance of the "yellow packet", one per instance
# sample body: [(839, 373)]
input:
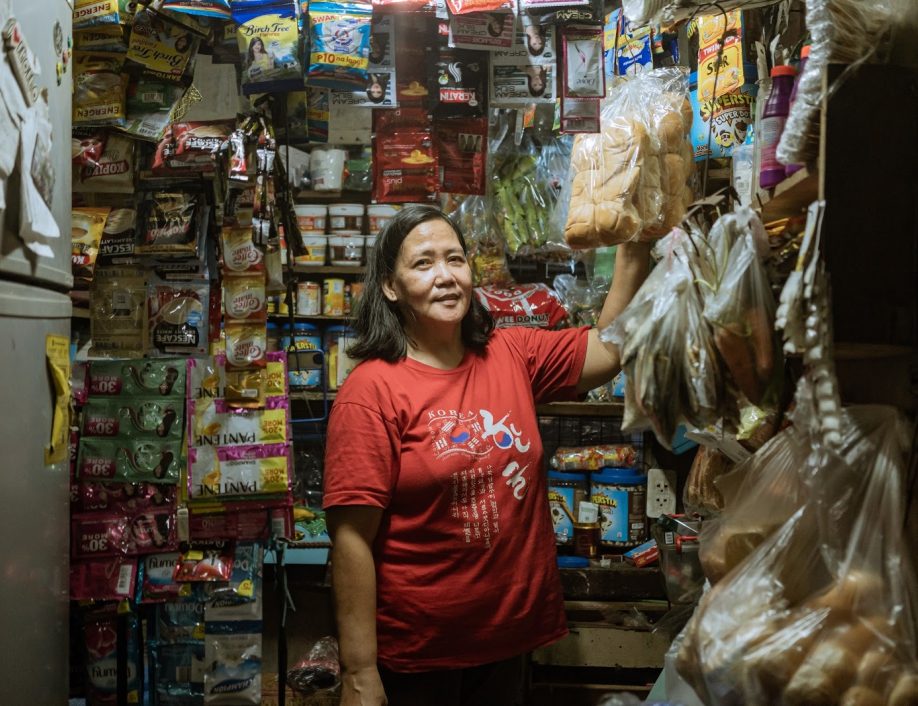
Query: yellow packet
[(161, 47), (95, 13), (99, 89), (86, 227)]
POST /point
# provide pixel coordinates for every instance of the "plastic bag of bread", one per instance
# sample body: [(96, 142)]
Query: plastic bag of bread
[(821, 613), (629, 181), (701, 495)]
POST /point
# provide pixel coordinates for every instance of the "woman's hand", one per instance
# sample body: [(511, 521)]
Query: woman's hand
[(362, 687)]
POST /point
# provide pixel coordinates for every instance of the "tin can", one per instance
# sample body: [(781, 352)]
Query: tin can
[(333, 297), (586, 539), (308, 298)]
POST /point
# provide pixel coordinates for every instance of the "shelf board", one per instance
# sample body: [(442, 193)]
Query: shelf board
[(311, 396), (307, 317), (79, 313), (329, 270), (792, 196), (582, 409)]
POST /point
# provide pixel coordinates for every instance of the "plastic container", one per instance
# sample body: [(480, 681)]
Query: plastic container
[(309, 298), (346, 250), (345, 219), (732, 115), (621, 494), (326, 168), (573, 562), (565, 493), (379, 216), (316, 247), (337, 362), (744, 169), (777, 107), (311, 219), (305, 337), (804, 57), (333, 297)]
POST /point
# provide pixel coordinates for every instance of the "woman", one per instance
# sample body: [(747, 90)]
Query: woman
[(443, 565), (536, 80), (258, 59)]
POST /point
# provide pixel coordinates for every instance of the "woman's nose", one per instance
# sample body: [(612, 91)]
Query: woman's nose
[(443, 273)]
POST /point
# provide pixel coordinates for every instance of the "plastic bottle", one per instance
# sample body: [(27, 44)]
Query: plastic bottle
[(744, 168), (804, 55), (777, 107)]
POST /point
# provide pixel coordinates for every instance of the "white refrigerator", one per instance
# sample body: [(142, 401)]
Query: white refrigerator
[(34, 503)]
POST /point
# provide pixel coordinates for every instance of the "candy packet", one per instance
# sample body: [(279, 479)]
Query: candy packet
[(268, 39), (127, 417), (99, 89), (177, 318), (109, 579), (191, 146), (163, 377), (86, 228), (130, 460), (238, 471), (340, 44)]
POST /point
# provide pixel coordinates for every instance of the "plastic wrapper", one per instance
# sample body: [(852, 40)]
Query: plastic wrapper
[(630, 181), (841, 32), (100, 89), (125, 498), (476, 223), (268, 41), (179, 672), (700, 495), (103, 579), (191, 146), (233, 664), (113, 172), (238, 472), (86, 229), (130, 460), (100, 640), (177, 318), (133, 417), (594, 458), (108, 534), (832, 620), (162, 377), (583, 300), (157, 582), (742, 313), (318, 670), (533, 305), (162, 47), (340, 44), (116, 308), (205, 564)]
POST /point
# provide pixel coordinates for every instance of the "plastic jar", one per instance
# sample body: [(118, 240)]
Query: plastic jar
[(308, 298), (379, 216), (337, 362), (333, 297), (315, 245), (621, 495), (311, 219), (345, 219), (346, 250), (565, 493), (305, 338)]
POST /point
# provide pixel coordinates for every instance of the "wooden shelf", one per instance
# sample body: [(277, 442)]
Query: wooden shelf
[(306, 317), (582, 409), (792, 196), (328, 270)]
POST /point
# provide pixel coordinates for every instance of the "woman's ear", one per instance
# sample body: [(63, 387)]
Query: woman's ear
[(389, 291)]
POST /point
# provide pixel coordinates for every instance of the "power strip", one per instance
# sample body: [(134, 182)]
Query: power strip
[(661, 492)]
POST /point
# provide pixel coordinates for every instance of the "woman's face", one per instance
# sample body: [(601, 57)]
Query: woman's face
[(258, 46), (535, 39), (375, 91), (432, 282), (536, 83)]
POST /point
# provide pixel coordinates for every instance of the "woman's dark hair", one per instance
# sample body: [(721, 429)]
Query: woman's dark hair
[(379, 323), (250, 54)]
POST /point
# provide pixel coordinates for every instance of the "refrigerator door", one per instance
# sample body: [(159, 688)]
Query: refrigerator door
[(44, 26), (34, 518)]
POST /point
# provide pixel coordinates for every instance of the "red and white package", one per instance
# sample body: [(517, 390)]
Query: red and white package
[(402, 5), (461, 148), (464, 7), (205, 564), (192, 145), (87, 145), (108, 579), (124, 498), (110, 534), (532, 305), (406, 166)]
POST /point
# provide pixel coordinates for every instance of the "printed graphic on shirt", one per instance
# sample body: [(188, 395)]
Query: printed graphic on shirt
[(474, 503), (471, 434)]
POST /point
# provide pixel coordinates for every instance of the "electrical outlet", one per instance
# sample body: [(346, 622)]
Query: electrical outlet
[(661, 492)]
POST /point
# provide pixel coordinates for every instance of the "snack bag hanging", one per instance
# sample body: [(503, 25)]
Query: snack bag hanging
[(268, 39), (161, 47), (218, 9), (464, 7), (99, 89), (95, 14), (340, 33)]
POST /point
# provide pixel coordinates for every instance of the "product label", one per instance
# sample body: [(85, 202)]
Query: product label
[(562, 506), (620, 515)]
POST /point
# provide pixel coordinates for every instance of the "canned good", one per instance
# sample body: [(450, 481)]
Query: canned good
[(337, 363), (305, 338), (620, 494), (565, 493), (308, 298), (587, 539), (352, 292), (333, 297)]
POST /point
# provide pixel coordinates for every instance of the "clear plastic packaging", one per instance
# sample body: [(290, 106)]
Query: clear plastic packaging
[(318, 671)]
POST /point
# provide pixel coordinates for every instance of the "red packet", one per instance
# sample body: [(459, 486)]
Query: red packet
[(461, 148), (108, 579), (406, 167), (206, 564)]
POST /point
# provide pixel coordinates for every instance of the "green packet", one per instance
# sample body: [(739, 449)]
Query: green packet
[(157, 377), (130, 460), (128, 417)]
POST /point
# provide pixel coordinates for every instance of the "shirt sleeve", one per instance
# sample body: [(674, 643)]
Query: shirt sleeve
[(361, 457), (555, 360)]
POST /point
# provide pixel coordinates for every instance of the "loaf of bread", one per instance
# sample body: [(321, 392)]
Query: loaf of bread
[(701, 496), (861, 696), (905, 692)]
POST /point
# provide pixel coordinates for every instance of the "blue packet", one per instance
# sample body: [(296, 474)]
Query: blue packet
[(181, 618), (269, 40), (219, 9), (179, 672), (340, 44)]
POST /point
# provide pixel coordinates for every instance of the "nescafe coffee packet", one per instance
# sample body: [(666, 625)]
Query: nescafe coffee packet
[(108, 579), (86, 228), (118, 238), (532, 305), (87, 146), (191, 146), (461, 148), (177, 318), (244, 297), (169, 224), (460, 80), (246, 345)]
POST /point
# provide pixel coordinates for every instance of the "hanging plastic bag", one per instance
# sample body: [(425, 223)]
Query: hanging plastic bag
[(318, 671)]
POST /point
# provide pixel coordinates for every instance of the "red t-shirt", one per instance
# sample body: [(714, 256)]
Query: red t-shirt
[(465, 558)]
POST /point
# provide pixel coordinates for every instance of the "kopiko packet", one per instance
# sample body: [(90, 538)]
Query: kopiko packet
[(177, 317), (169, 224), (268, 39), (133, 417), (145, 377), (86, 228), (340, 44), (461, 148), (99, 89), (191, 146), (108, 579), (205, 564), (244, 297), (161, 47), (87, 146), (582, 50), (112, 173), (460, 78)]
